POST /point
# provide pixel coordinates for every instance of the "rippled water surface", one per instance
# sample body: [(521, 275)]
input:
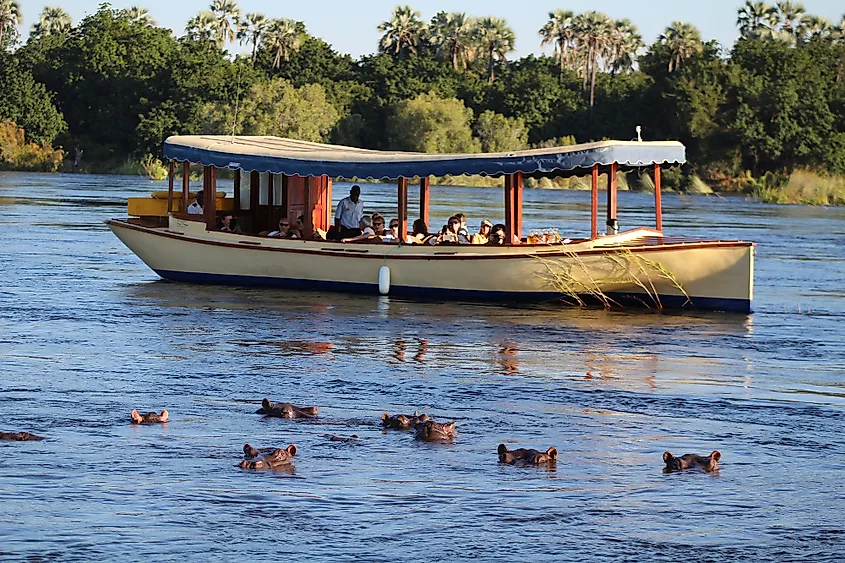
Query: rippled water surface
[(89, 332)]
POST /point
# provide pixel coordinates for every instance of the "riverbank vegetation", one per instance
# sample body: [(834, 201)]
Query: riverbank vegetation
[(755, 116)]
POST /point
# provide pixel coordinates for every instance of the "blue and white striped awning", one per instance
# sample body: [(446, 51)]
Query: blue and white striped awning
[(292, 157)]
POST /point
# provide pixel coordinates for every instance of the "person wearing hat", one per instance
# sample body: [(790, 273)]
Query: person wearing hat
[(483, 236)]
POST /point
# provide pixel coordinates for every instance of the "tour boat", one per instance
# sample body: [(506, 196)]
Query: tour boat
[(282, 178)]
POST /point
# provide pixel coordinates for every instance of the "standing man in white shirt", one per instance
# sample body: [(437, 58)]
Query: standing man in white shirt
[(196, 207), (350, 211)]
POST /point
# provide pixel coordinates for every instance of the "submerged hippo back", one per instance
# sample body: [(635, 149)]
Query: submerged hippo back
[(19, 437)]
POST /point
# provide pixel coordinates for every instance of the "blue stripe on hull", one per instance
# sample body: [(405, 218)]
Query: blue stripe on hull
[(429, 293)]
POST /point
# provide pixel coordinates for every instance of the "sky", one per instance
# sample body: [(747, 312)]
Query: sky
[(350, 26)]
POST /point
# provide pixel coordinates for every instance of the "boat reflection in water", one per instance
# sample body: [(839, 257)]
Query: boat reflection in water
[(619, 349)]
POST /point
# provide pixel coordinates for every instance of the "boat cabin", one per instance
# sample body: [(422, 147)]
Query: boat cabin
[(282, 178)]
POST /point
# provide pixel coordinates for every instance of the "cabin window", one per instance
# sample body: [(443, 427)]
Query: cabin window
[(264, 189), (277, 190), (244, 176)]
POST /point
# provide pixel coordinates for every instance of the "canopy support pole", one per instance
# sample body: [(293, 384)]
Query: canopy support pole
[(237, 191), (403, 208), (516, 183), (171, 171), (254, 186), (612, 223), (425, 193), (308, 209), (594, 224), (658, 206), (509, 208), (186, 185), (210, 195)]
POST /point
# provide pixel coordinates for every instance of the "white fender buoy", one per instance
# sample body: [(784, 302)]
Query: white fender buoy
[(384, 280)]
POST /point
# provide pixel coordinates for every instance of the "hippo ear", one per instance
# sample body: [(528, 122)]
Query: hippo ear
[(667, 457), (502, 450), (552, 452), (291, 449), (265, 402), (164, 415), (716, 455), (384, 416), (414, 415)]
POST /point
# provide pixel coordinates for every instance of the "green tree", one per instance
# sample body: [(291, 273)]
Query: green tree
[(275, 108), (498, 133), (431, 124), (780, 106), (403, 32), (27, 102), (53, 20), (10, 17)]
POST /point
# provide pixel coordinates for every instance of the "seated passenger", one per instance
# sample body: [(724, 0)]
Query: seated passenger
[(483, 236), (391, 235), (299, 227), (367, 231), (420, 233), (284, 226), (498, 236), (378, 224), (230, 224), (451, 233), (463, 230)]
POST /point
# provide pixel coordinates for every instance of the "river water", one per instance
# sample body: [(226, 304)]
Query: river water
[(89, 332)]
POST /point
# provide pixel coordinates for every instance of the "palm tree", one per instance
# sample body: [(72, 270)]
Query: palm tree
[(283, 36), (683, 40), (594, 32), (226, 15), (755, 18), (811, 26), (139, 16), (560, 31), (452, 36), (624, 43), (10, 16), (403, 31), (495, 40), (52, 21), (250, 30), (201, 27), (788, 14)]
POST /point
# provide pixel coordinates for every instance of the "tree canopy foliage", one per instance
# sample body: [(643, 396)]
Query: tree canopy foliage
[(115, 84)]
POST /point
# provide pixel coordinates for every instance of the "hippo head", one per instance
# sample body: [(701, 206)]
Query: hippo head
[(707, 463), (527, 456), (268, 458), (430, 431), (149, 418)]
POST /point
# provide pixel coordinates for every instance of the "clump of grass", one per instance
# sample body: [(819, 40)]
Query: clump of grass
[(153, 167), (697, 186), (804, 187)]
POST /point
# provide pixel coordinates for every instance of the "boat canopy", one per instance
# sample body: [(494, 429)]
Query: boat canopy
[(303, 158)]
